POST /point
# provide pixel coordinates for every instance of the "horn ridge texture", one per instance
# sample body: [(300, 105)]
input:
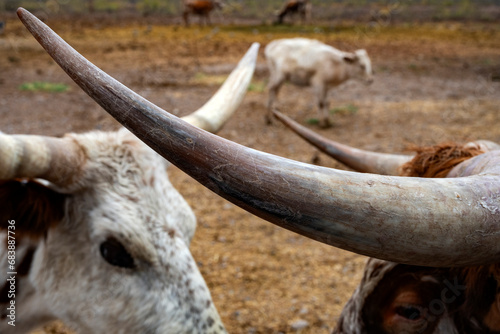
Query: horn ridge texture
[(57, 160)]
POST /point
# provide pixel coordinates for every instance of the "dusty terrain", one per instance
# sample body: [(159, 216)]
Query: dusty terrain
[(433, 83)]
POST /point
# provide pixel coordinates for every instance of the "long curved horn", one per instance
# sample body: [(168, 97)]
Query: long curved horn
[(57, 160), (223, 104), (359, 160), (433, 222)]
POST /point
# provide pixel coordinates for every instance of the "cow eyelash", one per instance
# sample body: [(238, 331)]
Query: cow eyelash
[(115, 254)]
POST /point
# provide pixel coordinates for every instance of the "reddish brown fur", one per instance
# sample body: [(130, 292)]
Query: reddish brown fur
[(482, 287), (199, 7), (293, 6), (34, 207), (438, 160)]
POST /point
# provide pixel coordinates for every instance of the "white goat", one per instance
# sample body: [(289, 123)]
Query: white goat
[(306, 62), (103, 242)]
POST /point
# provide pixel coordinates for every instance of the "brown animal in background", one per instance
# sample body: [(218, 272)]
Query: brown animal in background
[(202, 8), (301, 7)]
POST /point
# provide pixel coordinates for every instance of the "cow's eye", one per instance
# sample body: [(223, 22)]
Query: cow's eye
[(115, 254), (409, 312)]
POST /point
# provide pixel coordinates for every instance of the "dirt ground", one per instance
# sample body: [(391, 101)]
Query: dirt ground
[(433, 83)]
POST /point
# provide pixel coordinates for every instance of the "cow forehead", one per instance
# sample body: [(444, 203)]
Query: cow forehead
[(111, 154), (126, 194)]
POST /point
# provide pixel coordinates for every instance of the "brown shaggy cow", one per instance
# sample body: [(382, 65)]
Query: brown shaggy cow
[(399, 298)]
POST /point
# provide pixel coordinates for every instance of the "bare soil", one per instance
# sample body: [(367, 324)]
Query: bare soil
[(433, 83)]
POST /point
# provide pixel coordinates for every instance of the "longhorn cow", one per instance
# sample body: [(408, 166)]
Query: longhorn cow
[(456, 220), (400, 298), (201, 8), (100, 236)]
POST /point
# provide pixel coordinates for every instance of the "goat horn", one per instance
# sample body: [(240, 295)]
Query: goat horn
[(433, 222), (359, 160), (214, 114), (54, 159)]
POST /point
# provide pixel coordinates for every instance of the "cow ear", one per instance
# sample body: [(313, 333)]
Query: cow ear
[(30, 207), (350, 58)]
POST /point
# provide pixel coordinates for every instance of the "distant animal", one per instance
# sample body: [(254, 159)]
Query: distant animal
[(93, 233), (307, 62), (201, 8), (400, 298), (292, 7)]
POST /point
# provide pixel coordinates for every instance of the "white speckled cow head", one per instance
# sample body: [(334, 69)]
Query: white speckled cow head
[(102, 235)]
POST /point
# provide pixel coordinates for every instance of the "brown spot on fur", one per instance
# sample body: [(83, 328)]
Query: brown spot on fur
[(437, 161), (171, 233), (34, 207), (152, 180), (376, 270)]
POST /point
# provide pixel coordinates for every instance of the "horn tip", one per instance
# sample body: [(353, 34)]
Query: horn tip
[(251, 55), (21, 12), (255, 46), (28, 19)]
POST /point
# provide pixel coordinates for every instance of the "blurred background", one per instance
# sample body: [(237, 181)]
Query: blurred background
[(261, 11)]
